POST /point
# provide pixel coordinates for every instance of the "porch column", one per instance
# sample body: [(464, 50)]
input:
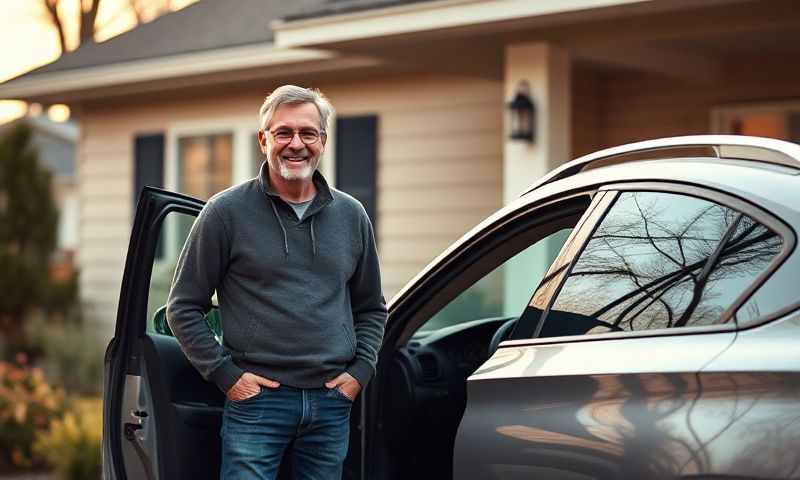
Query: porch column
[(546, 68)]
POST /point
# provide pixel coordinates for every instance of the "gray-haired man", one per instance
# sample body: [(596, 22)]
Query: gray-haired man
[(295, 268)]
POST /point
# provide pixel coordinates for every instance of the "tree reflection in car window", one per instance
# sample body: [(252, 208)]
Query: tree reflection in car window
[(661, 260)]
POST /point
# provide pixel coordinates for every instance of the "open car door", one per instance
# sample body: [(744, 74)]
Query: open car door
[(161, 419)]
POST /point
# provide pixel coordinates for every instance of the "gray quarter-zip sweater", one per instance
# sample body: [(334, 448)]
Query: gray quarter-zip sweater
[(300, 300)]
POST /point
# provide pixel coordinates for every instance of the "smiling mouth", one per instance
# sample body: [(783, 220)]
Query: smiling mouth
[(293, 159)]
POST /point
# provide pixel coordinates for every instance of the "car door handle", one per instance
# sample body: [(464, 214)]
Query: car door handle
[(130, 428)]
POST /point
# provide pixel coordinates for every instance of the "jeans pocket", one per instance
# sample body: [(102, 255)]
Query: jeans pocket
[(338, 394), (250, 398)]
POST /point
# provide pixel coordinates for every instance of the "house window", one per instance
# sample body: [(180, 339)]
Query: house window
[(780, 120), (205, 164)]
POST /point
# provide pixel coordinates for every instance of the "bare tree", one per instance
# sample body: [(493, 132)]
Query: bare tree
[(143, 10), (86, 21), (52, 11), (655, 264)]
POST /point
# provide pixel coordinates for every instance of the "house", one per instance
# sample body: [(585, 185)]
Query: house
[(422, 129)]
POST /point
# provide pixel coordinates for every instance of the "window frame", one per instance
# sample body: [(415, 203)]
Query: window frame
[(721, 198)]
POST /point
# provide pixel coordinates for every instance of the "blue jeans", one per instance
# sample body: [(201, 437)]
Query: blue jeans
[(256, 431)]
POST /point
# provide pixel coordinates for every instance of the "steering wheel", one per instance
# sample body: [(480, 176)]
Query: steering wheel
[(501, 334), (583, 323)]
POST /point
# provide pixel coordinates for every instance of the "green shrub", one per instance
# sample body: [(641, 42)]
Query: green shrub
[(27, 404), (72, 445), (28, 234), (70, 357)]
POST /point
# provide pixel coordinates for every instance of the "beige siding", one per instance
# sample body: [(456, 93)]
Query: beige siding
[(439, 169), (105, 192), (585, 111), (439, 163)]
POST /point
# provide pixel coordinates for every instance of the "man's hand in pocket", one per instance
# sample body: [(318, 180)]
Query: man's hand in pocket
[(346, 384), (249, 385)]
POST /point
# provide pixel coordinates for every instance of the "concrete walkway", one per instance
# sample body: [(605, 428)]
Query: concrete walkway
[(28, 476)]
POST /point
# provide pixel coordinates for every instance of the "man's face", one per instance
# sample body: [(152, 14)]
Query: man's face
[(294, 160)]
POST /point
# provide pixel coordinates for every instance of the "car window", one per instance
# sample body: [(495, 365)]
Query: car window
[(661, 260), (175, 229), (505, 290)]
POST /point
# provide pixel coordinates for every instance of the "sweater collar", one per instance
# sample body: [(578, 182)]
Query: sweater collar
[(322, 198)]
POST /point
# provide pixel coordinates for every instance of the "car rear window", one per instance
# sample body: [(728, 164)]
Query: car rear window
[(661, 260)]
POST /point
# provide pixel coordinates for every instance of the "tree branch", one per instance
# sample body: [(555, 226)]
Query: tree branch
[(88, 17), (52, 9)]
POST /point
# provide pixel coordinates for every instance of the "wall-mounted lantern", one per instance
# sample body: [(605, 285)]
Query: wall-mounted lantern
[(523, 114)]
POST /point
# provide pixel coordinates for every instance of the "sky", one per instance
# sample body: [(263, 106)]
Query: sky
[(28, 39)]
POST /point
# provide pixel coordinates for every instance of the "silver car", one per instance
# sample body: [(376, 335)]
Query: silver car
[(632, 315)]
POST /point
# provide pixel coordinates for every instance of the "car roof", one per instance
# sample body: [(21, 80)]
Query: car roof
[(759, 149)]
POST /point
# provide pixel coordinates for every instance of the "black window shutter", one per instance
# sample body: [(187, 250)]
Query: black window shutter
[(356, 159), (148, 169)]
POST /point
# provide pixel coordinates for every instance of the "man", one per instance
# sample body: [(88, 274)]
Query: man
[(294, 265)]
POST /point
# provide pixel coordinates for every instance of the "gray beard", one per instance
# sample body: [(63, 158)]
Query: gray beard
[(286, 174)]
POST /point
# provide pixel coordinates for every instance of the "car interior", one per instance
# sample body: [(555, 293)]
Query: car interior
[(422, 390), (426, 394)]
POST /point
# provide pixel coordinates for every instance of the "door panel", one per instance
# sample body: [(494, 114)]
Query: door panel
[(609, 409), (186, 408), (142, 437), (757, 390)]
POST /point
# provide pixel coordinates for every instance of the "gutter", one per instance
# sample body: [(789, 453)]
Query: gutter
[(425, 16), (161, 68)]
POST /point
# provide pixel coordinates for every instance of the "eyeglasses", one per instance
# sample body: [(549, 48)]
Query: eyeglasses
[(307, 136)]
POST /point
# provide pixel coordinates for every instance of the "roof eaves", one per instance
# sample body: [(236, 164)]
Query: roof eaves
[(398, 18), (44, 70), (185, 64)]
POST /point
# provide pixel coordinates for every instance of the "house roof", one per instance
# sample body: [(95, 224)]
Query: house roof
[(210, 37), (202, 26)]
